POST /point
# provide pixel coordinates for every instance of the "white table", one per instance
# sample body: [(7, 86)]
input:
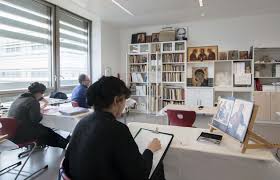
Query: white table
[(210, 111), (55, 119), (189, 159)]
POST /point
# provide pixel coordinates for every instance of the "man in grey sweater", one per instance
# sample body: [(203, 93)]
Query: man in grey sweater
[(26, 110)]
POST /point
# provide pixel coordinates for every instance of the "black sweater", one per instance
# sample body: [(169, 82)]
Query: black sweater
[(26, 110), (101, 148)]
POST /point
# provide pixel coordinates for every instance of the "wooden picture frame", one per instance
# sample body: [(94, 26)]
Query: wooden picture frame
[(141, 37), (203, 53), (155, 37)]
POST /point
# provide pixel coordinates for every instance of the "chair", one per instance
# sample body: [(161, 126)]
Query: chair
[(62, 175), (181, 118), (9, 126), (75, 104)]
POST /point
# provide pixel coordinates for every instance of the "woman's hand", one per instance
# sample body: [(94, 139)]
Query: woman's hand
[(44, 103), (155, 145)]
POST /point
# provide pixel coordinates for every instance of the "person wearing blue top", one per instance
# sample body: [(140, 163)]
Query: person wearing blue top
[(80, 91)]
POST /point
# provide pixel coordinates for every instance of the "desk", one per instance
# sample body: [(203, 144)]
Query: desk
[(210, 111), (54, 119), (189, 159)]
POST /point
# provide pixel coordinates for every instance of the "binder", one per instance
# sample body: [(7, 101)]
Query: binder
[(145, 136)]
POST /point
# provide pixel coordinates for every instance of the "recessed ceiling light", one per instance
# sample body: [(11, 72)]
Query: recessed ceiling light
[(200, 3), (123, 8)]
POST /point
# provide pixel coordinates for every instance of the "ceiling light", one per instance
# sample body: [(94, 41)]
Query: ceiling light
[(123, 8), (200, 3), (202, 14)]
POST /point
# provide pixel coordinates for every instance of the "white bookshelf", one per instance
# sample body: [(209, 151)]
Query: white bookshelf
[(166, 72), (220, 72)]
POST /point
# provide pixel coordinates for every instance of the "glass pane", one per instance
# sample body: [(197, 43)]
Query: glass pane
[(133, 49), (144, 48), (25, 52), (155, 48), (167, 47), (73, 48), (179, 46)]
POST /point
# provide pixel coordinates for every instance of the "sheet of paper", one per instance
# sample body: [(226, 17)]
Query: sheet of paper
[(145, 137)]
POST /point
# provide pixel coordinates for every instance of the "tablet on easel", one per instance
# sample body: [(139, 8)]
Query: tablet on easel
[(145, 136)]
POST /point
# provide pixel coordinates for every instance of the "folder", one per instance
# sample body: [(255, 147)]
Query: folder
[(145, 136)]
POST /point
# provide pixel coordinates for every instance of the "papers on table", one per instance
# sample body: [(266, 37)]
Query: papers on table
[(70, 111)]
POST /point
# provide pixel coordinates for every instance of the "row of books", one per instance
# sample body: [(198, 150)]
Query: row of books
[(180, 46), (277, 70), (138, 59), (154, 104), (169, 67), (155, 90), (173, 58), (173, 93), (138, 68), (165, 103), (139, 90), (138, 77), (173, 76)]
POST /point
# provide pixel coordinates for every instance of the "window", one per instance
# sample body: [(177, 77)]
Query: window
[(23, 25), (74, 47), (28, 39)]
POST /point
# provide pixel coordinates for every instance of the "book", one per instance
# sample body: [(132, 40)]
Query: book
[(233, 117), (70, 111)]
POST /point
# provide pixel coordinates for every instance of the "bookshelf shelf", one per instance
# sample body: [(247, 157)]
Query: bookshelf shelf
[(164, 67)]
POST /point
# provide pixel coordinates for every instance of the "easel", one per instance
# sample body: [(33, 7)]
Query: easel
[(257, 141)]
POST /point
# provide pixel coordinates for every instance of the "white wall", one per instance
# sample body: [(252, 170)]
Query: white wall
[(235, 33), (110, 48)]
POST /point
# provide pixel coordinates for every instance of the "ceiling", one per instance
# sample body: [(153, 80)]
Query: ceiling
[(156, 12)]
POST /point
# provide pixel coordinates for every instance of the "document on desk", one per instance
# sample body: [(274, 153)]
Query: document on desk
[(70, 111), (145, 136)]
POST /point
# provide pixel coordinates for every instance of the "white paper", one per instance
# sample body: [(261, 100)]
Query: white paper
[(145, 137)]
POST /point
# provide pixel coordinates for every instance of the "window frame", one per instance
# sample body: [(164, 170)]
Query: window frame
[(54, 61), (58, 86)]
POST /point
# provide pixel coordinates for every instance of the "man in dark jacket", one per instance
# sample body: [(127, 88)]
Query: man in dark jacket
[(26, 110)]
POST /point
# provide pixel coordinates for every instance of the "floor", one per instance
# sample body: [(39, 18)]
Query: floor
[(52, 156)]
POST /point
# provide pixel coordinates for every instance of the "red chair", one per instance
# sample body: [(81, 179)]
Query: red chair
[(9, 126), (75, 104), (181, 118)]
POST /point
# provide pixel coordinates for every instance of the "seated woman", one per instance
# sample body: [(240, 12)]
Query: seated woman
[(26, 110), (102, 148)]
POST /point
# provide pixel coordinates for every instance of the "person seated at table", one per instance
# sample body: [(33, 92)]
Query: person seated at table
[(79, 92), (26, 110), (103, 148)]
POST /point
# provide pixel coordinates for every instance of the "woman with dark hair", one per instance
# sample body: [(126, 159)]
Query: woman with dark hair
[(102, 148), (26, 110)]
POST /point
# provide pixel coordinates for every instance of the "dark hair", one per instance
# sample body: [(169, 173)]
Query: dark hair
[(37, 88), (101, 94), (82, 77)]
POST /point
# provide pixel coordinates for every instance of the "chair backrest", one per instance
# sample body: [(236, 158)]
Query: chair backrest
[(58, 95), (181, 118), (8, 126), (62, 174), (75, 104)]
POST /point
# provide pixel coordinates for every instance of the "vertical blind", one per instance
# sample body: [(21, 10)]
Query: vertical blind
[(25, 20)]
